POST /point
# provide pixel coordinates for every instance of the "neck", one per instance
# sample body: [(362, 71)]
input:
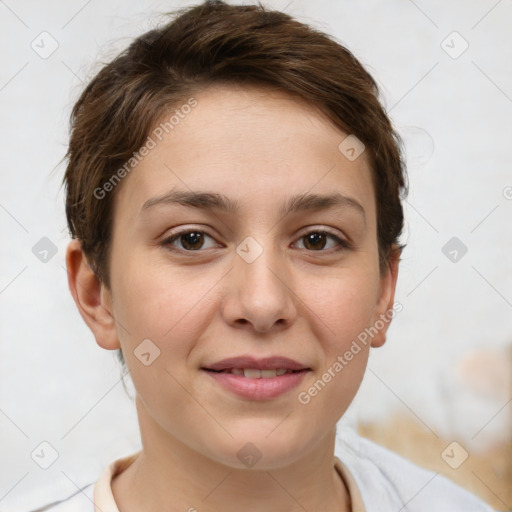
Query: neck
[(178, 478)]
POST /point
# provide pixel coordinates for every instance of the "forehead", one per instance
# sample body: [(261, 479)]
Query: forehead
[(257, 144)]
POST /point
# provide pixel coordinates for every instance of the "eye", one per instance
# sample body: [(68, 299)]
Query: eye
[(316, 241), (191, 240)]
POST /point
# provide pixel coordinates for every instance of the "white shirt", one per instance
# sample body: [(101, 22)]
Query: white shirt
[(378, 480)]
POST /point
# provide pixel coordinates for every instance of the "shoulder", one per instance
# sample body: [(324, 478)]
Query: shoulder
[(81, 501), (387, 480)]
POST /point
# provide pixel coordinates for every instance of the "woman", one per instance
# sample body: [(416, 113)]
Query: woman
[(233, 192)]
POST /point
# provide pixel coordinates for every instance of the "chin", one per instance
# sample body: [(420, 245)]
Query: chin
[(260, 448)]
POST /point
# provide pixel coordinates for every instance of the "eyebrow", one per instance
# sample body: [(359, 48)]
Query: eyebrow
[(213, 200)]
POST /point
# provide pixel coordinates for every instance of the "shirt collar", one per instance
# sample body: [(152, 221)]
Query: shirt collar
[(104, 499)]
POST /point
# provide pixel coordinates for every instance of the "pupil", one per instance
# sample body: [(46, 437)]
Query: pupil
[(191, 240), (313, 238)]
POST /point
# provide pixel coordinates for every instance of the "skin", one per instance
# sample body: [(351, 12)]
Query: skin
[(304, 301)]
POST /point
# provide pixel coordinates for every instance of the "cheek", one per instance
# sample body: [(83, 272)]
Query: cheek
[(345, 309), (325, 399), (346, 305), (171, 310), (168, 307)]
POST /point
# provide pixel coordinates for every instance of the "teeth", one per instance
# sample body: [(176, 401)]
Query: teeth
[(254, 373), (250, 373)]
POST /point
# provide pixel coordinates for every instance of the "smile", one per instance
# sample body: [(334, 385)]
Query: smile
[(255, 373), (255, 385)]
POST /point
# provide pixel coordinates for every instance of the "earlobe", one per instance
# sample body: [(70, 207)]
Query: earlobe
[(92, 298), (386, 297)]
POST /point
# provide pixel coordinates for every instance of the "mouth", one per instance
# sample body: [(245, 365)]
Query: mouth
[(248, 362), (257, 379), (255, 373)]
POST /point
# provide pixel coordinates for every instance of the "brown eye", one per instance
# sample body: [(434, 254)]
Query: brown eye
[(317, 241), (191, 240)]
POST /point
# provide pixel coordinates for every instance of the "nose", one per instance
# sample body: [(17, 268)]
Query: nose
[(260, 293)]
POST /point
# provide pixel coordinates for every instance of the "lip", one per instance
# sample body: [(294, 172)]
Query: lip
[(262, 388), (257, 389), (266, 363)]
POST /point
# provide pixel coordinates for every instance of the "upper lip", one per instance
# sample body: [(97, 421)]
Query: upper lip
[(266, 363)]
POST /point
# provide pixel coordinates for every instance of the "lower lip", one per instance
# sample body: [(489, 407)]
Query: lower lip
[(258, 389)]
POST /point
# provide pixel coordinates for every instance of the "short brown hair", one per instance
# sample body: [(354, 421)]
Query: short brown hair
[(219, 43)]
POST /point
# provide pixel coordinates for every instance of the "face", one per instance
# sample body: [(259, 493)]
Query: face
[(280, 277)]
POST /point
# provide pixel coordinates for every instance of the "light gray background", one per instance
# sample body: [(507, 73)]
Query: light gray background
[(445, 362)]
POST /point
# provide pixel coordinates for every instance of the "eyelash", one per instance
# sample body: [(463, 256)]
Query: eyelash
[(167, 243)]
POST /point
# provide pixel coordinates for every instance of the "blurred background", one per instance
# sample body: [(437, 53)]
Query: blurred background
[(439, 392)]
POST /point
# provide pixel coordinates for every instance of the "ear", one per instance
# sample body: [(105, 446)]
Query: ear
[(386, 297), (93, 299)]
